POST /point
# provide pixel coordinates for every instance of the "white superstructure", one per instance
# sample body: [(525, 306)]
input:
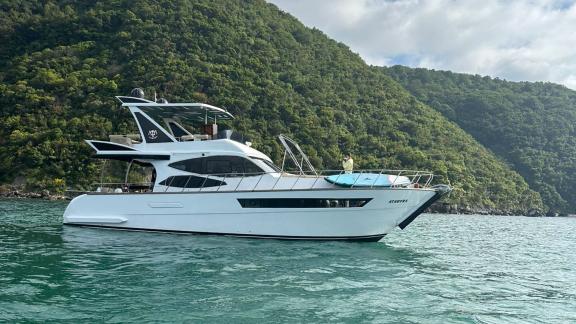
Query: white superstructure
[(208, 181)]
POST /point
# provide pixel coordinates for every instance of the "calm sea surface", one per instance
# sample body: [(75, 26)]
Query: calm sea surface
[(441, 269)]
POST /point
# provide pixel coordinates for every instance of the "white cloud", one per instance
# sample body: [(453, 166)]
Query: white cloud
[(519, 40)]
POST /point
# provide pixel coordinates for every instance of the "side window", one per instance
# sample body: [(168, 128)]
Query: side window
[(191, 182), (237, 166), (229, 166), (251, 169), (268, 163), (218, 166), (192, 165)]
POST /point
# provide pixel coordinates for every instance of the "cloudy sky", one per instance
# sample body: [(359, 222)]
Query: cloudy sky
[(517, 40)]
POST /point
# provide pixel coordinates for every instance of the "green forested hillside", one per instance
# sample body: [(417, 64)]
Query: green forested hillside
[(61, 63), (530, 125)]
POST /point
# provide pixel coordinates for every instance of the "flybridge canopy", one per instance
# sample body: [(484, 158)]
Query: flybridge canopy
[(187, 112)]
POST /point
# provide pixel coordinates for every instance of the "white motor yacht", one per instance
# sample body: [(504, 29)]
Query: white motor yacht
[(207, 181)]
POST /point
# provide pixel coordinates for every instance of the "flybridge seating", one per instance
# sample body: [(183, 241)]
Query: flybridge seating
[(149, 116)]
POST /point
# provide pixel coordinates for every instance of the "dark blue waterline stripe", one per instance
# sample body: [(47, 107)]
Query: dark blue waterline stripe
[(366, 238)]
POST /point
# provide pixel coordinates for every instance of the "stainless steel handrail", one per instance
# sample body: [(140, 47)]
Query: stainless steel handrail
[(376, 180), (295, 182), (259, 179), (356, 180), (221, 182), (417, 179)]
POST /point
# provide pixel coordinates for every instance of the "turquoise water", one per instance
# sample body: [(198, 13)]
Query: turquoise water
[(441, 269)]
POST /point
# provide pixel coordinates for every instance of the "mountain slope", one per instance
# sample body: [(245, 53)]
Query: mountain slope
[(530, 125), (64, 60)]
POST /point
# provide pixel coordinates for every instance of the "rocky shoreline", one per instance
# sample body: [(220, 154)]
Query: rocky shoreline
[(447, 208), (43, 194)]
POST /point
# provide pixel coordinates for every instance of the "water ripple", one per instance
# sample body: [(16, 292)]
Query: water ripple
[(442, 269)]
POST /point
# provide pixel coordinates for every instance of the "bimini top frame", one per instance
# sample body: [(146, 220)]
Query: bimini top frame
[(148, 114), (187, 112)]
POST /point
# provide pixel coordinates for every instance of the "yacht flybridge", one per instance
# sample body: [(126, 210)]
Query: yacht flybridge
[(210, 181)]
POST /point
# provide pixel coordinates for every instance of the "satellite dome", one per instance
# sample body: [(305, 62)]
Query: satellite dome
[(137, 93), (162, 100)]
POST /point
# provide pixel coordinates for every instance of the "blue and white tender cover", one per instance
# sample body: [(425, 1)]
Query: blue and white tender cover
[(367, 180)]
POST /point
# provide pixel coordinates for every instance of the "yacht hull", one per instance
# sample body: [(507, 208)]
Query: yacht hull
[(359, 214)]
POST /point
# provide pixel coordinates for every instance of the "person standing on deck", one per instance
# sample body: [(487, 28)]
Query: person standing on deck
[(348, 164)]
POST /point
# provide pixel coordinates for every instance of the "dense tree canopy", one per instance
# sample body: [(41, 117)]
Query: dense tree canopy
[(532, 126), (62, 62)]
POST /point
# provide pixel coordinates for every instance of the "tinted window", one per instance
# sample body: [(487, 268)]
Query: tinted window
[(302, 203), (192, 165), (250, 168), (229, 166), (270, 164), (191, 182)]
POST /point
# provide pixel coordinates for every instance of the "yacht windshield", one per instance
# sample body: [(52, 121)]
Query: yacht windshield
[(271, 165)]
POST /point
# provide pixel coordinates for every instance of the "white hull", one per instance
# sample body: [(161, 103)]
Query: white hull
[(221, 213)]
